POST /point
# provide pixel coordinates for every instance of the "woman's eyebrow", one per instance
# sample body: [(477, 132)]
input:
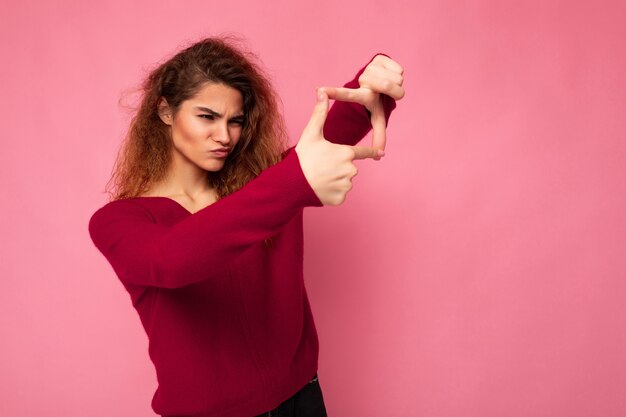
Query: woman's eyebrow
[(213, 112)]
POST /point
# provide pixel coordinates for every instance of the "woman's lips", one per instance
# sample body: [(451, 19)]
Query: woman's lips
[(220, 154)]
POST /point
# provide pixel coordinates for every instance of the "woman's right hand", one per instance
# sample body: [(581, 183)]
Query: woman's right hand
[(328, 166)]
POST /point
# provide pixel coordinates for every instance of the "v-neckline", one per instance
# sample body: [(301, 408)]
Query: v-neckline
[(172, 200)]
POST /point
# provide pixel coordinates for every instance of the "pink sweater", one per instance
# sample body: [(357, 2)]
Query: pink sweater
[(228, 319)]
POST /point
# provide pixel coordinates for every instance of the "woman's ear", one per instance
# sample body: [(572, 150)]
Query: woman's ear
[(164, 111)]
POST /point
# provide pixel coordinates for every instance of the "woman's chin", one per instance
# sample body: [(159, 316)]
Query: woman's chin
[(212, 166)]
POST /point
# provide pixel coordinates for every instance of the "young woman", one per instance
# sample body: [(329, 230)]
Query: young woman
[(204, 226)]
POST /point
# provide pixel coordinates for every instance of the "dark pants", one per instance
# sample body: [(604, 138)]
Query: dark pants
[(308, 402)]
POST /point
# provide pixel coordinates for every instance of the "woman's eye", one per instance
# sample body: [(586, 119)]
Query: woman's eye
[(237, 122), (207, 116)]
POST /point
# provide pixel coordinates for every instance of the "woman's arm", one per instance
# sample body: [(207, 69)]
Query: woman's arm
[(204, 244), (349, 121)]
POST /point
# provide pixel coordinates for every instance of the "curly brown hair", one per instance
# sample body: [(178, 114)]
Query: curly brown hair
[(145, 154)]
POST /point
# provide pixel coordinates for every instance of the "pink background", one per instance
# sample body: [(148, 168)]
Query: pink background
[(477, 270)]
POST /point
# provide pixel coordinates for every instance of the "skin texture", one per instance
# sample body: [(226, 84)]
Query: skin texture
[(194, 134)]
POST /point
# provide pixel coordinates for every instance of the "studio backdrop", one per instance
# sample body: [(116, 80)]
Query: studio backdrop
[(478, 269)]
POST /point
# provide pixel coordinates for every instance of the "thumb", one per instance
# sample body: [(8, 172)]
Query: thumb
[(315, 126), (364, 152), (345, 94)]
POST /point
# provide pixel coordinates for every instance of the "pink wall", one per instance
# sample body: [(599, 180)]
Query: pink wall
[(477, 270)]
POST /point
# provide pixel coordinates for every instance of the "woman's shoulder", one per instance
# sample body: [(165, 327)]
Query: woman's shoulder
[(124, 207), (118, 218), (120, 204)]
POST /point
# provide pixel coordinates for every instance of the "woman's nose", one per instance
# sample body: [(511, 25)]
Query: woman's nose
[(222, 135)]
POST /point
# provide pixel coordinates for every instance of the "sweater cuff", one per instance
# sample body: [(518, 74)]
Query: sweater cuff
[(294, 183)]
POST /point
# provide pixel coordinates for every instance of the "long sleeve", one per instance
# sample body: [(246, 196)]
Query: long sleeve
[(347, 123), (202, 245)]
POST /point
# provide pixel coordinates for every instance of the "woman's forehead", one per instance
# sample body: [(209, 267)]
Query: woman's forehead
[(220, 98)]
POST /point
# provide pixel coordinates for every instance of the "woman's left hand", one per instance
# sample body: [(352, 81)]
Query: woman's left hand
[(382, 75)]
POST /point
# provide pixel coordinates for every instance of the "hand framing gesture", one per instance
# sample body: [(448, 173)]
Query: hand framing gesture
[(382, 75), (328, 166)]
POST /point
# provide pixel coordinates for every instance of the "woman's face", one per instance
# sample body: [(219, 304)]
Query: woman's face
[(209, 121)]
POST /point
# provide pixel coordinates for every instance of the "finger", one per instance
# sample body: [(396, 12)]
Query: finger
[(385, 86), (389, 63), (316, 122), (379, 126), (363, 152), (383, 72), (343, 94)]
